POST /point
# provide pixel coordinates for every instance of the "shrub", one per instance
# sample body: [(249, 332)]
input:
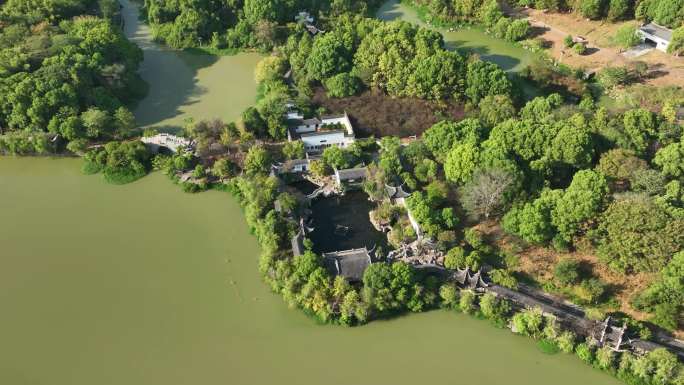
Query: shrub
[(566, 342), (342, 85), (547, 346), (585, 352), (467, 301), (627, 36), (579, 48), (568, 41), (566, 271)]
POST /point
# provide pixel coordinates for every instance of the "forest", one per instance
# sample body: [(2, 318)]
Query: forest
[(67, 74), (557, 174)]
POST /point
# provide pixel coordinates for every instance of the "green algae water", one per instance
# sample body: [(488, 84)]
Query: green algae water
[(507, 55), (143, 284), (185, 85)]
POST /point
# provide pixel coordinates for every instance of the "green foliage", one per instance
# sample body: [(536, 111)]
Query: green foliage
[(294, 150), (532, 221), (581, 201), (592, 9), (70, 79), (445, 135), (466, 302), (547, 346), (528, 322), (671, 160), (668, 13), (449, 296), (568, 41), (461, 162), (620, 164), (495, 109), (566, 342), (567, 271), (676, 46), (342, 85), (485, 78), (119, 162), (493, 308), (626, 36), (611, 77), (585, 352), (637, 235), (665, 296), (257, 161)]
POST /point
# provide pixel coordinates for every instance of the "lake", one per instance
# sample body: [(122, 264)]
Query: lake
[(184, 85), (507, 55), (143, 284)]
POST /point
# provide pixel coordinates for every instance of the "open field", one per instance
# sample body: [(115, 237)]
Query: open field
[(374, 113)]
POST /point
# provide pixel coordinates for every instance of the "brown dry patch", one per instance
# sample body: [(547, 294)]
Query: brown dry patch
[(539, 262), (664, 69), (375, 113)]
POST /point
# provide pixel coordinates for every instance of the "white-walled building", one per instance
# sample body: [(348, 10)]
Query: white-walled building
[(319, 134), (655, 34)]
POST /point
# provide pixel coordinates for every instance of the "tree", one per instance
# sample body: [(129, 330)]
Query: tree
[(581, 201), (96, 122), (256, 10), (342, 85), (294, 150), (485, 78), (486, 193), (494, 308), (640, 127), (222, 168), (566, 341), (124, 121), (676, 46), (620, 164), (636, 235), (585, 352), (257, 161), (438, 76), (611, 77), (449, 296), (466, 301), (618, 9), (455, 258), (336, 157), (495, 109), (517, 30), (330, 55), (270, 69), (532, 221), (566, 271), (461, 162), (671, 160), (592, 9), (443, 136)]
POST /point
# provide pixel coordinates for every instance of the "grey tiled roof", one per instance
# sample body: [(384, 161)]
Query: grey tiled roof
[(656, 30), (350, 264)]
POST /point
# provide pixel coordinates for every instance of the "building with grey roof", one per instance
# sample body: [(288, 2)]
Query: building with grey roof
[(657, 35), (350, 264)]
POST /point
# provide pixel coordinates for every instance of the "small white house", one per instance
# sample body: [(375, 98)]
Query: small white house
[(656, 35), (318, 134)]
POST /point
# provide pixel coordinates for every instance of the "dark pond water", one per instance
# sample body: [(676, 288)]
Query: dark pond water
[(350, 211)]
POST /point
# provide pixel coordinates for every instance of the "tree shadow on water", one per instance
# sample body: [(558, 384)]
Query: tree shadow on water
[(171, 75)]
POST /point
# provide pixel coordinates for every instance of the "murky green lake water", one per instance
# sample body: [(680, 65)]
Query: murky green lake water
[(508, 56), (143, 285), (185, 85)]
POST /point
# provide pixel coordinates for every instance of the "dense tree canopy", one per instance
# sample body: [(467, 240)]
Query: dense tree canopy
[(71, 78)]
